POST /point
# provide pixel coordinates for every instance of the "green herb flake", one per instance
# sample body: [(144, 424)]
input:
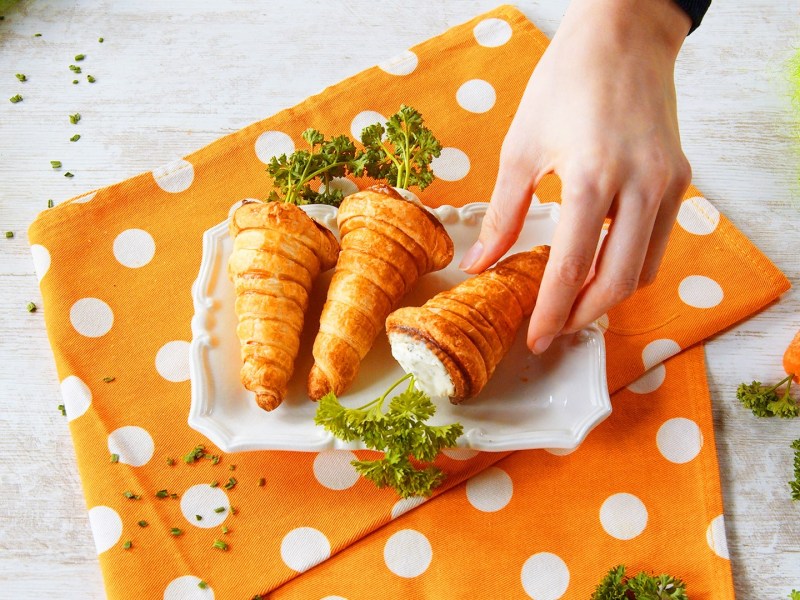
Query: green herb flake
[(37, 35), (232, 468), (80, 56), (262, 482), (49, 204), (22, 77), (9, 234), (225, 530), (170, 461), (127, 545), (74, 82), (68, 174), (75, 118), (201, 584), (63, 410), (220, 545), (219, 509), (231, 483), (115, 458), (130, 495), (90, 79), (173, 496), (176, 532), (109, 379), (75, 137), (162, 494), (56, 164), (100, 40), (143, 523), (31, 307), (198, 517), (195, 454), (15, 98), (75, 68), (214, 484), (794, 485), (234, 511)]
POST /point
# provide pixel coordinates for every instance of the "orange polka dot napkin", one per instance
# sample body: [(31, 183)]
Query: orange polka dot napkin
[(116, 268)]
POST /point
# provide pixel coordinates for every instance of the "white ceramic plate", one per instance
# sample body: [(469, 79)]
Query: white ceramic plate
[(551, 401)]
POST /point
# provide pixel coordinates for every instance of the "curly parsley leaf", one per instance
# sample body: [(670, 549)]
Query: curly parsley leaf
[(764, 401), (794, 485), (401, 151), (617, 586), (795, 595), (401, 433), (324, 159)]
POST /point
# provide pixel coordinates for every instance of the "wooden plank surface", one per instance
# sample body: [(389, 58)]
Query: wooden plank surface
[(174, 76)]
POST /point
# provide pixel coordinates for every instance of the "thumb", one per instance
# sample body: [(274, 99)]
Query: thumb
[(504, 217)]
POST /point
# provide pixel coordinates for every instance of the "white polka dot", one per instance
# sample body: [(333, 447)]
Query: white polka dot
[(41, 260), (365, 119), (700, 291), (172, 361), (333, 470), (650, 381), (602, 322), (716, 538), (402, 64), (623, 516), (91, 317), (407, 553), (679, 440), (334, 598), (343, 184), (490, 490), (304, 547), (134, 248), (404, 505), (658, 351), (273, 143), (202, 499), (476, 95), (187, 588), (460, 453), (492, 32), (76, 395), (85, 198), (545, 576), (175, 177), (106, 527), (698, 216), (451, 165), (132, 444)]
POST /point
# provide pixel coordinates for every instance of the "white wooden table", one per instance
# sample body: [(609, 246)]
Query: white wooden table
[(172, 77)]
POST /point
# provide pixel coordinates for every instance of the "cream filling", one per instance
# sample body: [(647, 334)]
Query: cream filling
[(416, 358)]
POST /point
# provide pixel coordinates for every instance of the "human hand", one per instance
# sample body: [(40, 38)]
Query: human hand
[(600, 112)]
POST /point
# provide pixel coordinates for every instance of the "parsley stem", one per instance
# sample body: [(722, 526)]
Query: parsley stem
[(379, 401), (780, 383)]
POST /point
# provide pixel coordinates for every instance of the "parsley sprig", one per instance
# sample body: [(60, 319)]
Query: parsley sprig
[(764, 400), (617, 586), (404, 157), (794, 485), (400, 433), (323, 160)]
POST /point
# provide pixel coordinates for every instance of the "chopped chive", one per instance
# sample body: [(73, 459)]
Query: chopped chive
[(9, 234), (175, 531), (201, 584), (143, 523), (215, 460), (68, 174), (258, 597), (170, 461), (100, 40), (225, 529), (49, 203), (31, 307), (75, 118), (195, 454), (16, 98), (198, 517), (214, 484), (56, 164), (109, 379), (232, 468), (75, 68), (127, 545), (74, 82), (80, 56), (90, 79), (219, 509), (262, 482), (75, 137), (63, 410), (115, 458), (220, 544), (231, 484), (234, 510), (37, 35), (130, 495), (22, 77), (174, 496), (162, 494)]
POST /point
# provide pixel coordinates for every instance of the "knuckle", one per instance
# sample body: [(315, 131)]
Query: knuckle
[(648, 277), (573, 269), (620, 288), (683, 175)]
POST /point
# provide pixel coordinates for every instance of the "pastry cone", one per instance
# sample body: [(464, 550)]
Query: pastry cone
[(278, 251), (388, 243), (453, 343)]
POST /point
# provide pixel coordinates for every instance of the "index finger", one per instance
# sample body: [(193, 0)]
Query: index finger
[(572, 251)]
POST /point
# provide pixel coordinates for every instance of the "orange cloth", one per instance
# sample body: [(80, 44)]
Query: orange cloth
[(116, 267)]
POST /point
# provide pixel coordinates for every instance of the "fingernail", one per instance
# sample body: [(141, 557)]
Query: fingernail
[(543, 343), (472, 255)]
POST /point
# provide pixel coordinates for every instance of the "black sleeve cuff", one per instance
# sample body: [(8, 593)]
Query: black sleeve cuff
[(696, 9)]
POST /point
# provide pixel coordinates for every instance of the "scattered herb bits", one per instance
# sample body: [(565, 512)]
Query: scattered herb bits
[(16, 98), (176, 532), (75, 138), (49, 204), (108, 379), (201, 584), (56, 164), (90, 79), (127, 545), (214, 484), (219, 509), (170, 461), (143, 523), (219, 544), (22, 77), (100, 40), (231, 483), (68, 174), (232, 468), (130, 495), (37, 35), (63, 410), (75, 68), (225, 530), (79, 57), (115, 458), (9, 234), (74, 82), (162, 494), (198, 517), (31, 307), (195, 454), (75, 118), (262, 482)]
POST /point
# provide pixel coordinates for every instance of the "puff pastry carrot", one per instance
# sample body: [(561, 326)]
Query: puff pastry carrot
[(278, 251), (387, 244), (453, 343)]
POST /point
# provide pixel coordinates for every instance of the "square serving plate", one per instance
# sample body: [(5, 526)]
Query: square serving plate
[(550, 401)]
